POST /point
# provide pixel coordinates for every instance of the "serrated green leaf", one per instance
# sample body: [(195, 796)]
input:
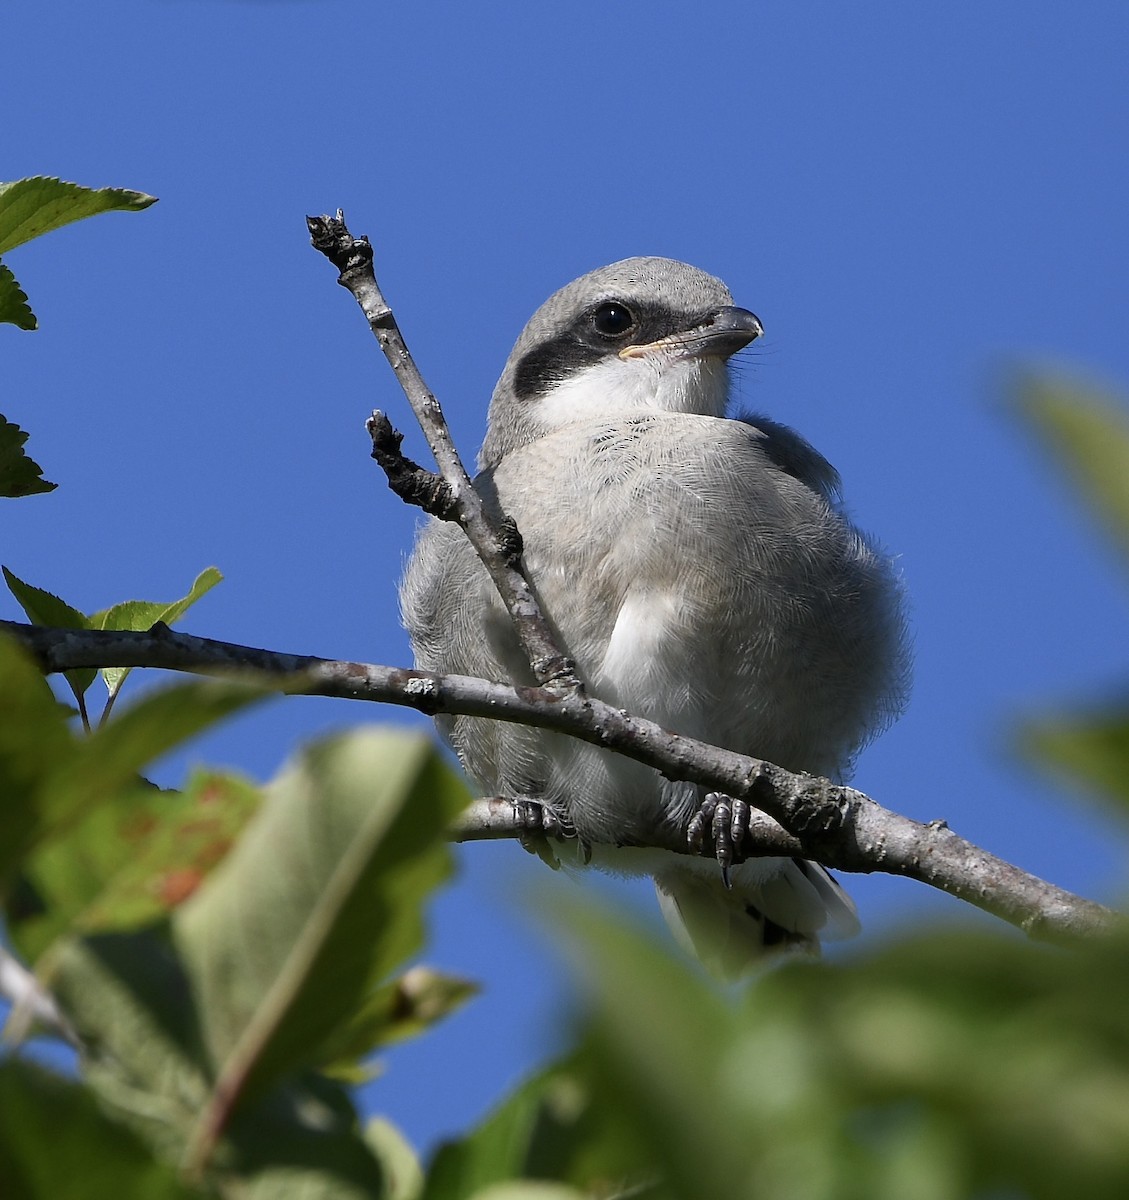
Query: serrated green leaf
[(144, 614), (37, 205), (20, 475), (319, 902), (1090, 751), (129, 860), (1088, 431), (47, 609), (56, 1143), (14, 308)]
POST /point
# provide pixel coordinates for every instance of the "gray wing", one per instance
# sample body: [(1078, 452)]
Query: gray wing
[(794, 455)]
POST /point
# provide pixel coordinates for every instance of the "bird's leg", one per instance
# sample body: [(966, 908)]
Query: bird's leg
[(726, 821)]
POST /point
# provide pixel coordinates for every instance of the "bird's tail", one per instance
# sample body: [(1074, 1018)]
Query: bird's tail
[(773, 905)]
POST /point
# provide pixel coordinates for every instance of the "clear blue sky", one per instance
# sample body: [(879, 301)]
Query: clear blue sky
[(912, 198)]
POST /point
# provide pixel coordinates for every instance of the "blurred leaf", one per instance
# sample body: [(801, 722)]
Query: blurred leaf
[(526, 1189), (657, 1049), (135, 1006), (402, 1173), (131, 1001), (1088, 432), (1084, 750), (45, 608), (144, 614), (403, 1008), (944, 1066), (14, 308), (53, 777), (552, 1127), (20, 475), (35, 741), (129, 860), (57, 1144), (37, 205), (321, 899)]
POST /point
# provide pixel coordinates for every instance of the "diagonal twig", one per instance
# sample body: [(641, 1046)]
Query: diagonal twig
[(551, 665)]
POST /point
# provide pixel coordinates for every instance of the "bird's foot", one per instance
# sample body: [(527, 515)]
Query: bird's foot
[(538, 822), (719, 827), (537, 817)]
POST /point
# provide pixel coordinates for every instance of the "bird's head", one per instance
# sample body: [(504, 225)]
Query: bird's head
[(641, 334)]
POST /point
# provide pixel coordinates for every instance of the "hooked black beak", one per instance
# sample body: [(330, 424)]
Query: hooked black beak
[(721, 335)]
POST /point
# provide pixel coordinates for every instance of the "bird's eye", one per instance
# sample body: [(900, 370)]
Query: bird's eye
[(612, 319)]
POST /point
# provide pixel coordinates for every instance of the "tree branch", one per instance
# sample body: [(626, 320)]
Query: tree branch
[(834, 825), (31, 1003), (495, 545)]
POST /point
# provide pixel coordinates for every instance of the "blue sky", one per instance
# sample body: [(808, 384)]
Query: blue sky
[(913, 198)]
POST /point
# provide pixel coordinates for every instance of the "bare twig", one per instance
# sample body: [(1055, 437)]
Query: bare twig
[(831, 824), (412, 483), (31, 1002), (551, 665)]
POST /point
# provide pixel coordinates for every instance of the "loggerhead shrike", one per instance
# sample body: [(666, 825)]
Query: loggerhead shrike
[(700, 571)]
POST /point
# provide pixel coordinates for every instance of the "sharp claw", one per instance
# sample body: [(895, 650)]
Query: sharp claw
[(727, 821)]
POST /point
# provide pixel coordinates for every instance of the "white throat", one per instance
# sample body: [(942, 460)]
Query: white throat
[(656, 383)]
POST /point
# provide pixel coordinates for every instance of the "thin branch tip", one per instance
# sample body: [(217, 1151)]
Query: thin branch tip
[(454, 496)]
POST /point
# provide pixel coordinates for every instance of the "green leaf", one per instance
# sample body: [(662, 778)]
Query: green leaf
[(1090, 750), (131, 1002), (1088, 431), (53, 777), (552, 1127), (20, 475), (944, 1066), (14, 308), (401, 1009), (642, 998), (135, 1006), (321, 899), (45, 608), (144, 614), (35, 743), (128, 860), (528, 1189), (402, 1172), (37, 205), (152, 726), (57, 1144)]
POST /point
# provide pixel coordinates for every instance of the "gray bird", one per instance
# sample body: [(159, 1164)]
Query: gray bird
[(699, 569)]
